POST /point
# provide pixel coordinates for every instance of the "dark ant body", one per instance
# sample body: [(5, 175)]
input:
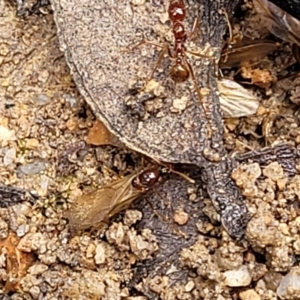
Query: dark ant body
[(93, 208), (181, 69), (147, 179), (177, 13)]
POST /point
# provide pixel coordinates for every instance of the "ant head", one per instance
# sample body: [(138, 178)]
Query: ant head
[(147, 178), (179, 73), (176, 11)]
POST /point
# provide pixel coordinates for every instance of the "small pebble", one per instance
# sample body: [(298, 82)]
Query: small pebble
[(189, 286), (9, 157), (32, 143), (70, 99), (180, 104), (100, 254), (238, 277), (289, 286), (274, 171), (37, 269), (138, 2), (272, 280), (90, 250), (6, 135), (35, 292), (3, 229), (180, 217), (139, 246), (33, 168), (115, 234), (249, 295), (42, 99), (99, 135), (132, 216), (22, 230)]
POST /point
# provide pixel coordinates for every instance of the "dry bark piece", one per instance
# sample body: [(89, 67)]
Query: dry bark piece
[(105, 73), (197, 255), (11, 196)]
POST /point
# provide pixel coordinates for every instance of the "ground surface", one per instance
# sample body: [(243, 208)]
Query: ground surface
[(44, 123)]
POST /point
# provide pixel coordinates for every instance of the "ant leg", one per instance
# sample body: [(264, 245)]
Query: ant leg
[(160, 58), (229, 26), (194, 29), (143, 42), (164, 50), (204, 105), (190, 180), (230, 39), (200, 55), (194, 80), (206, 57), (171, 55), (156, 212)]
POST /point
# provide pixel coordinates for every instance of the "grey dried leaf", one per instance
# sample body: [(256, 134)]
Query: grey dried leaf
[(235, 100)]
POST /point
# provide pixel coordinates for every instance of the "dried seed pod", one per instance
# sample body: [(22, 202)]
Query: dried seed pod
[(235, 100)]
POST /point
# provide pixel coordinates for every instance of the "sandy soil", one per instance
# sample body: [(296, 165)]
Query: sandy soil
[(44, 124)]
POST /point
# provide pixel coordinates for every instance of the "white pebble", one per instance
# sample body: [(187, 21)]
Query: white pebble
[(6, 135), (37, 269), (238, 277), (289, 286), (100, 254), (9, 156)]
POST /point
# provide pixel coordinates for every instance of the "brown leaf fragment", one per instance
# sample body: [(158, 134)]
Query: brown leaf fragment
[(17, 262), (99, 135)]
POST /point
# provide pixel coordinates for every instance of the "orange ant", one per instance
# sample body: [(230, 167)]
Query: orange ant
[(181, 69)]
